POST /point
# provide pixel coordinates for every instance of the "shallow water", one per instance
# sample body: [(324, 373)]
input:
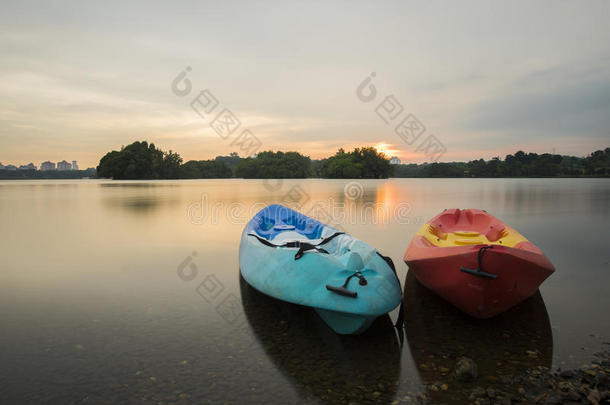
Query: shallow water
[(116, 291)]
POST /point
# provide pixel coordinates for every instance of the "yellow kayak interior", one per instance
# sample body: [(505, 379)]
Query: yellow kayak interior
[(477, 228)]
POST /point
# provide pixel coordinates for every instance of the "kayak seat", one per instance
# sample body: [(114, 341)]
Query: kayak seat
[(467, 234), (468, 238), (469, 241), (311, 229)]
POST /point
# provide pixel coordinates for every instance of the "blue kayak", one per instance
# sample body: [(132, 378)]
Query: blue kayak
[(295, 258)]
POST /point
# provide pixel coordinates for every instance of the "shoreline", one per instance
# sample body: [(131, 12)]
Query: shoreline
[(589, 384), (302, 178)]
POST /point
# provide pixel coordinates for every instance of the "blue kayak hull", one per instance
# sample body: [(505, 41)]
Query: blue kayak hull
[(346, 281), (344, 323)]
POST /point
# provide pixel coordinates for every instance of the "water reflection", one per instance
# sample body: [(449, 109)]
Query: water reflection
[(321, 364), (139, 198), (142, 184), (139, 204), (438, 334)]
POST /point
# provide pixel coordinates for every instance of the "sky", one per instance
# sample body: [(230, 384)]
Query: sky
[(484, 78)]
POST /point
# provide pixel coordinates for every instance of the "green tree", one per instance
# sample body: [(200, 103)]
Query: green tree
[(205, 169), (139, 161), (170, 167), (360, 163), (274, 165)]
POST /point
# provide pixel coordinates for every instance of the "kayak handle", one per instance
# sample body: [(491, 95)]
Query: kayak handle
[(343, 290), (480, 272)]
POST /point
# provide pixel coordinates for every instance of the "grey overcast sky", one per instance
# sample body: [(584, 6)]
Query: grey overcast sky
[(486, 78)]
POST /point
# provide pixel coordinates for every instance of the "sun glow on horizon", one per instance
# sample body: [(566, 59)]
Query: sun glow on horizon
[(386, 149)]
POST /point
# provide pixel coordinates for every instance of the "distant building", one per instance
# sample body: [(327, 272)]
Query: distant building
[(10, 167), (63, 165), (74, 165), (47, 165), (29, 166), (1, 166), (394, 161)]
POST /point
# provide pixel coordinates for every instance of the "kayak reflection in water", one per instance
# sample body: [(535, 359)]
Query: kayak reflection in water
[(321, 364), (496, 350)]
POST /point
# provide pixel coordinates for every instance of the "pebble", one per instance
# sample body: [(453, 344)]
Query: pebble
[(476, 393), (506, 401), (594, 397), (553, 399), (571, 395), (465, 370)]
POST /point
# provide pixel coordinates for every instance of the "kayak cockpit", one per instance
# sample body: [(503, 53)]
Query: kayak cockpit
[(457, 227), (276, 219)]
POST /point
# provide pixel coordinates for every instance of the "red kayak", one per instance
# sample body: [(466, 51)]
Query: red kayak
[(476, 262)]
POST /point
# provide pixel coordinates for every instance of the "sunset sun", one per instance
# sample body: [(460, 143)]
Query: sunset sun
[(385, 149)]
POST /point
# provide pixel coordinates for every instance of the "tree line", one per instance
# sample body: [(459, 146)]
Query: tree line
[(521, 164), (141, 160)]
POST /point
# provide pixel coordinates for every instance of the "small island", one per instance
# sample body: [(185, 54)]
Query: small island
[(143, 161)]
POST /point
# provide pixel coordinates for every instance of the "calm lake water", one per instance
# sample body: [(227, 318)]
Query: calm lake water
[(130, 292)]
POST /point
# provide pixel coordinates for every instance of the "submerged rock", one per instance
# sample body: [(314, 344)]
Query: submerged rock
[(465, 370), (478, 392), (594, 397)]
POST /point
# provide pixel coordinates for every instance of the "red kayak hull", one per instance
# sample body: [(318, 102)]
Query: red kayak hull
[(520, 270)]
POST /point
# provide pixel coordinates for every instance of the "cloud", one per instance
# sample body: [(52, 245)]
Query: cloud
[(81, 78), (557, 101)]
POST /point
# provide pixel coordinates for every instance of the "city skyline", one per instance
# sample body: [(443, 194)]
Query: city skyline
[(47, 164)]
